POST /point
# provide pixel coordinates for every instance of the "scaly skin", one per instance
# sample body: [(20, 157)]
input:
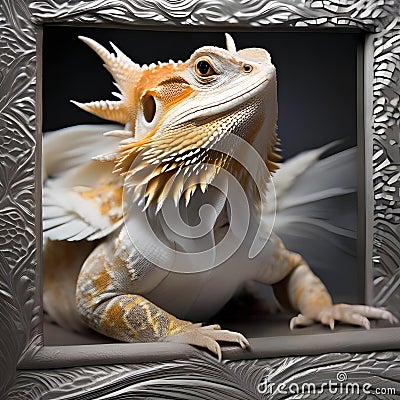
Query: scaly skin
[(175, 114)]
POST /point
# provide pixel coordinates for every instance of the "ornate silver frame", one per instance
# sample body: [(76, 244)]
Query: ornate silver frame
[(26, 365)]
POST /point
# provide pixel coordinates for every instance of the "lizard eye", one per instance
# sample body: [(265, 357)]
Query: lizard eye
[(203, 68), (247, 68)]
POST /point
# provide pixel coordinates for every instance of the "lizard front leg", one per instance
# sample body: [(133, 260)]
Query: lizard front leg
[(302, 290), (107, 302)]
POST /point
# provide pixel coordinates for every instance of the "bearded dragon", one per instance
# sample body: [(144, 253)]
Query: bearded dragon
[(184, 124)]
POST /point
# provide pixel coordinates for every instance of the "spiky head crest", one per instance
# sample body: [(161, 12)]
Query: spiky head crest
[(175, 114)]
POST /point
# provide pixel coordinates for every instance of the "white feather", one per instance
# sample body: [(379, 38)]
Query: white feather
[(285, 177), (317, 215), (67, 157), (68, 148)]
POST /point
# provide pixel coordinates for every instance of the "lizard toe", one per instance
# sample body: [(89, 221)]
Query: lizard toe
[(208, 337), (300, 320), (347, 313)]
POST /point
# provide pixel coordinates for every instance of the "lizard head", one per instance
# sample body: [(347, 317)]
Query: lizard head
[(177, 114)]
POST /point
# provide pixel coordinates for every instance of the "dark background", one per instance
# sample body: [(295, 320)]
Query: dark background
[(317, 76)]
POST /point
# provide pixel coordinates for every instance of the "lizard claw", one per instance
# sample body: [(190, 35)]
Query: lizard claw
[(208, 337), (300, 320), (388, 316), (347, 313)]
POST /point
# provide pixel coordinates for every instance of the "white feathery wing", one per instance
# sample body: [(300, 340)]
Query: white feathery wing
[(68, 148), (81, 197), (317, 213)]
